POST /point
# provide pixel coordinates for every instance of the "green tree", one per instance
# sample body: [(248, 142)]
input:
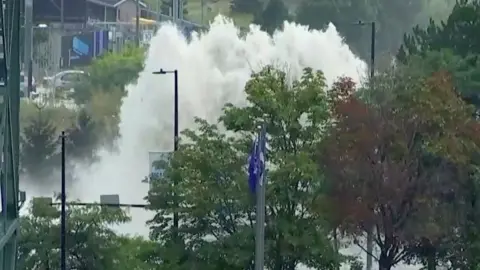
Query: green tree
[(246, 6), (110, 73), (138, 254), (393, 19), (61, 117), (39, 147), (273, 16), (462, 234), (464, 71), (215, 206), (451, 45), (91, 242), (317, 14), (167, 5), (427, 49), (104, 108), (82, 138), (389, 162), (101, 92), (457, 33)]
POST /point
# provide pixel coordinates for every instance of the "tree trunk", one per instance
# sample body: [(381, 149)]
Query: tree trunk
[(431, 262), (384, 262), (335, 245), (369, 262)]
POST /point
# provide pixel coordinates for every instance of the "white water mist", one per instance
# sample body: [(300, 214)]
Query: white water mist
[(213, 69)]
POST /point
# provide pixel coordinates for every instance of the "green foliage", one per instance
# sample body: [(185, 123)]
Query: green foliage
[(457, 33), (82, 138), (166, 6), (111, 72), (451, 45), (318, 14), (104, 88), (213, 197), (104, 109), (60, 116), (137, 254), (39, 146), (466, 75), (390, 162), (246, 6), (392, 18), (273, 16), (91, 242)]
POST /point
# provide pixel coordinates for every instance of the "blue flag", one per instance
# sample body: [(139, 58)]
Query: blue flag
[(256, 161)]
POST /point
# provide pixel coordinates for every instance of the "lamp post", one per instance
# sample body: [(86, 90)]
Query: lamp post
[(175, 132), (63, 225), (372, 86), (372, 47), (137, 23)]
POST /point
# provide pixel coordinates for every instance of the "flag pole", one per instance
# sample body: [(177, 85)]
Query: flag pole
[(260, 217)]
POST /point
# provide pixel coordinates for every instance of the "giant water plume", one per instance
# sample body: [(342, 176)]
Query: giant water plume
[(213, 69)]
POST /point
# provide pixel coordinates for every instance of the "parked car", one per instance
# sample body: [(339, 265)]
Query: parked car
[(24, 85), (65, 79)]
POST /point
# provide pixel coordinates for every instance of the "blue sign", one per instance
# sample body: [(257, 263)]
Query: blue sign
[(81, 48)]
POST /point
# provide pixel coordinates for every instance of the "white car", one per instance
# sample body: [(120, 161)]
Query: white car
[(65, 79)]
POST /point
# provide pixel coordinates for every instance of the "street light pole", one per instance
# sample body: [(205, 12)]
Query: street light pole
[(137, 23), (372, 54), (369, 248), (175, 111), (175, 135), (63, 225), (62, 14), (372, 46)]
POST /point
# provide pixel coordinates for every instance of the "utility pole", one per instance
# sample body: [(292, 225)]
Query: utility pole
[(203, 10), (28, 32), (372, 85), (62, 15), (63, 216), (175, 137), (175, 10), (260, 206), (137, 23), (372, 54), (180, 9), (175, 143)]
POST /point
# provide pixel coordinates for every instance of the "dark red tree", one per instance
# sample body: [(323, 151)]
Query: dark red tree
[(387, 162)]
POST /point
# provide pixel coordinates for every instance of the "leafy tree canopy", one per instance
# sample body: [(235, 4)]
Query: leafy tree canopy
[(457, 33), (393, 18), (166, 7), (82, 138), (246, 6), (273, 16), (216, 209), (91, 243), (111, 72), (389, 163), (39, 145)]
